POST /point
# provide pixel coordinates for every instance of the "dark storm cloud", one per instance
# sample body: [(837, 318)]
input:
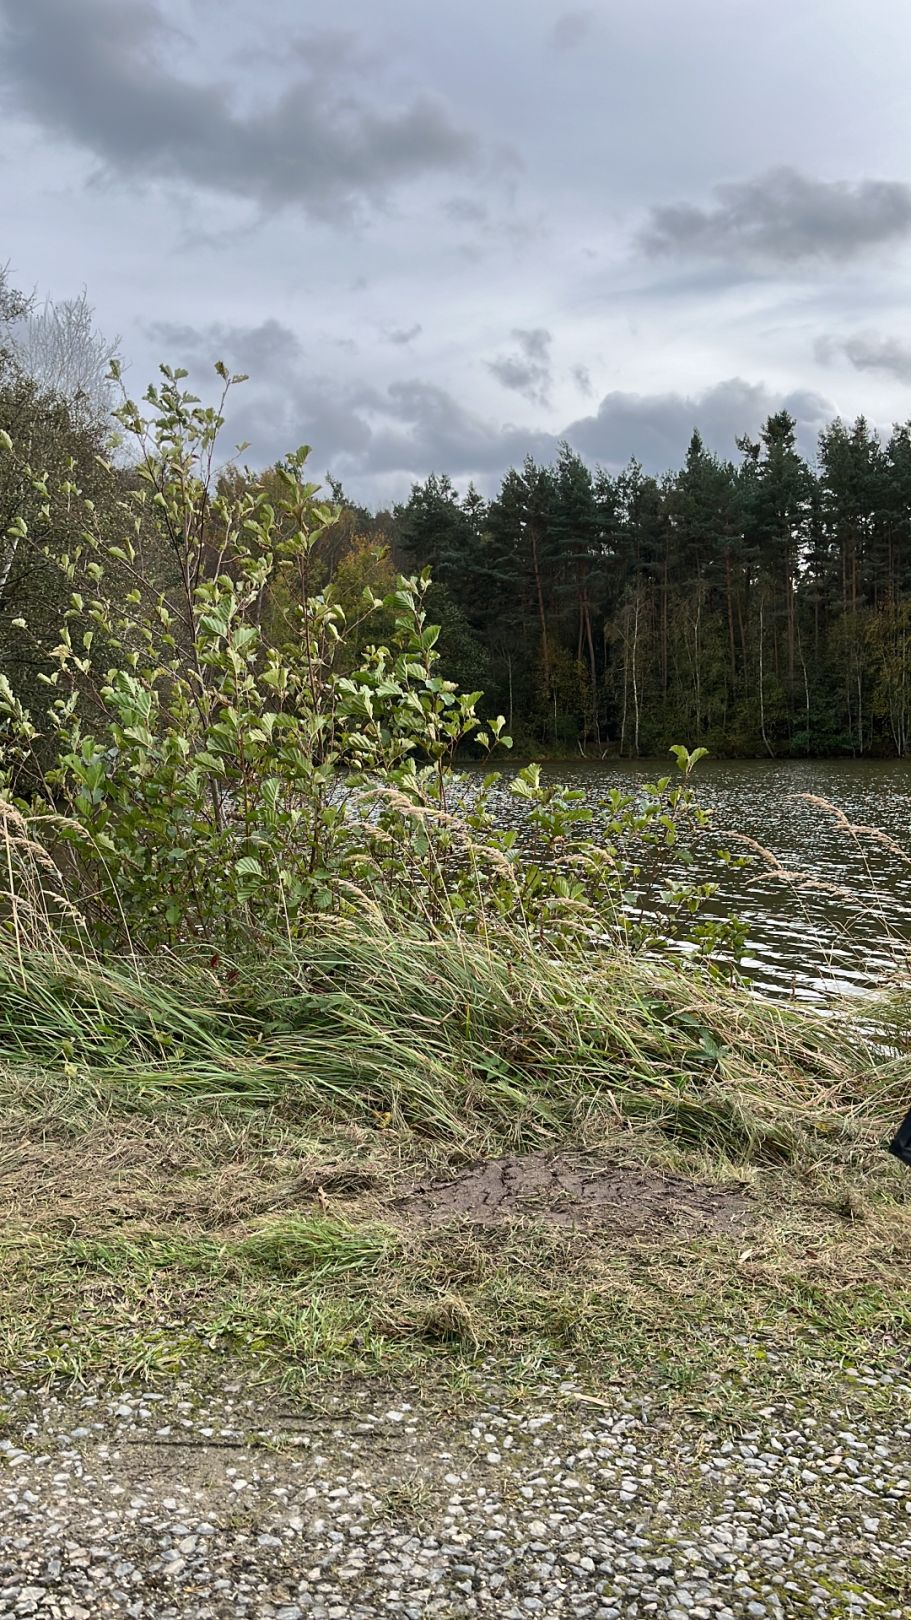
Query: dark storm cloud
[(868, 352), (527, 369), (656, 428), (96, 75), (572, 28), (783, 218)]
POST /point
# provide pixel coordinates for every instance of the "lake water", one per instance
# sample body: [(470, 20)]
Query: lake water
[(808, 943)]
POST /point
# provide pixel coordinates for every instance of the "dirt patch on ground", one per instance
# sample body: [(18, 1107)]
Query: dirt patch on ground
[(215, 1178), (571, 1189)]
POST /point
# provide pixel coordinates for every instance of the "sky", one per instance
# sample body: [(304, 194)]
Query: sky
[(440, 237)]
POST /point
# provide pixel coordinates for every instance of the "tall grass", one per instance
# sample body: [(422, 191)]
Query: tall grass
[(469, 1038), (452, 1038), (34, 905)]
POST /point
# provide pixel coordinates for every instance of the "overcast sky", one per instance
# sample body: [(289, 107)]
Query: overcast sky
[(442, 235)]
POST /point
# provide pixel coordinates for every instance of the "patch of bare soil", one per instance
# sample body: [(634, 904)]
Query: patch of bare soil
[(145, 1172), (571, 1189)]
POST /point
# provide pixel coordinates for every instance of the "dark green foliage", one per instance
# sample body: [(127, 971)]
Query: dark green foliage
[(759, 606), (50, 446)]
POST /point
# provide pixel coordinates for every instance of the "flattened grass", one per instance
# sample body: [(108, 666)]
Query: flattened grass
[(703, 1323)]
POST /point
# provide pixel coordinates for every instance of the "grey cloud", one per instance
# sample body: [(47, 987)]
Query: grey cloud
[(403, 335), (315, 411), (868, 352), (656, 428), (519, 375), (490, 228), (414, 427), (582, 378), (332, 50), (572, 28), (379, 439), (784, 218), (467, 211), (534, 341), (92, 74), (428, 430), (263, 351), (328, 50), (528, 371)]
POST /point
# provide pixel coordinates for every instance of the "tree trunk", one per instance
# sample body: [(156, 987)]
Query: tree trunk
[(762, 678), (729, 597), (6, 568), (636, 678), (593, 668), (542, 616)]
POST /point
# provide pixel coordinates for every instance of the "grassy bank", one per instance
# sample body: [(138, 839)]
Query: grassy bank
[(260, 1150), (201, 1160), (451, 1039)]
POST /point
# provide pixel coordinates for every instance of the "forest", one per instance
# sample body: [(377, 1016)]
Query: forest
[(758, 607)]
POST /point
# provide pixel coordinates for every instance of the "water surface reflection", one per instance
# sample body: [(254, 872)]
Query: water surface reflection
[(802, 942)]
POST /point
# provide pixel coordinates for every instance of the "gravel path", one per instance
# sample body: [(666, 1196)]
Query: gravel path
[(162, 1507)]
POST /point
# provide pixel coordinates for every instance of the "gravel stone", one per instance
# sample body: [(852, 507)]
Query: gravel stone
[(177, 1507)]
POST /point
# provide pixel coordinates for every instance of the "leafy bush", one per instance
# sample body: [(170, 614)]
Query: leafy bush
[(218, 783)]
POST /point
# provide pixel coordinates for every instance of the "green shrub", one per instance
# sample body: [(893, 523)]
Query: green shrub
[(217, 783)]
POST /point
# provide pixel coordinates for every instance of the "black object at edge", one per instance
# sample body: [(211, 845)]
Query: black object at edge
[(900, 1144)]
